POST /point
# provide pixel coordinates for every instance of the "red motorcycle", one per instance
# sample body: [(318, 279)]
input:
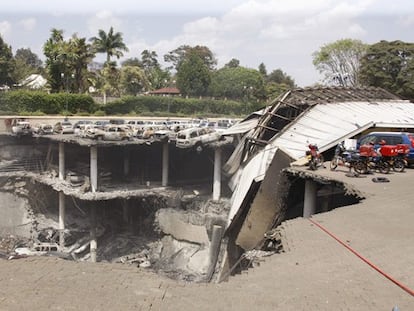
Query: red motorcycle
[(315, 158)]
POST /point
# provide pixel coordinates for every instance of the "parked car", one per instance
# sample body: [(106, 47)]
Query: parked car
[(64, 127), (42, 129), (111, 132), (101, 123), (77, 126), (21, 128), (165, 135), (390, 138), (196, 137)]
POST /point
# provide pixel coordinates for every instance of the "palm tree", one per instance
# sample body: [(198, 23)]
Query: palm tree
[(110, 43)]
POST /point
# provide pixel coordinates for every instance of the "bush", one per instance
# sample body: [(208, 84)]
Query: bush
[(176, 106), (38, 101)]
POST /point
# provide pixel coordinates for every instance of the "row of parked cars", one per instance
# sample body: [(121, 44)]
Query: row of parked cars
[(186, 134)]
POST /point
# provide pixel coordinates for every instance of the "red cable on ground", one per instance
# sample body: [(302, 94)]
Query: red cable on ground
[(407, 289)]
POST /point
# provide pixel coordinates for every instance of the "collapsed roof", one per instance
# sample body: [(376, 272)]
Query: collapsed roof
[(322, 116)]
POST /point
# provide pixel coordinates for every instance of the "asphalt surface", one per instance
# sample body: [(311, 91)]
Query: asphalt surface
[(315, 272)]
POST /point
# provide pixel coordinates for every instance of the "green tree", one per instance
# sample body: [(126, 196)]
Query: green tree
[(193, 75), (133, 80), (390, 65), (27, 63), (7, 64), (53, 50), (82, 54), (177, 56), (233, 63), (109, 43), (67, 62), (109, 80), (237, 83), (134, 61), (156, 76), (339, 61), (263, 70), (280, 77)]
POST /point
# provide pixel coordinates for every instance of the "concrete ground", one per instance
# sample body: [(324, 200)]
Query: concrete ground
[(314, 273)]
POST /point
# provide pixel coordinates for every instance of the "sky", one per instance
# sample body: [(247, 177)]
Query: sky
[(282, 34)]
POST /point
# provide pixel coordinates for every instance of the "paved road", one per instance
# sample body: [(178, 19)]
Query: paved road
[(314, 273)]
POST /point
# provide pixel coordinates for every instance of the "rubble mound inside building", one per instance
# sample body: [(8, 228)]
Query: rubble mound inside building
[(169, 235)]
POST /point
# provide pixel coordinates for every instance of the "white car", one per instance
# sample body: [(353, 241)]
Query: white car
[(21, 128), (111, 132), (42, 129), (196, 137)]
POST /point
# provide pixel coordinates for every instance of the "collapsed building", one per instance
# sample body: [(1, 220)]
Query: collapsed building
[(172, 209), (140, 201)]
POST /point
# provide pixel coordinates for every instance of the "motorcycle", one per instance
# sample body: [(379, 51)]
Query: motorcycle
[(315, 159), (347, 158), (396, 156), (373, 160)]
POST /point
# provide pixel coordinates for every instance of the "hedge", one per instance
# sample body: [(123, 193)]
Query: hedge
[(23, 102)]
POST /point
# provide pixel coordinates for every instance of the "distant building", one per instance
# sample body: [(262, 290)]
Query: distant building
[(166, 91), (34, 81)]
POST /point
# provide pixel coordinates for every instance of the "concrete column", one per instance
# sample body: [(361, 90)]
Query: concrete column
[(309, 204), (165, 162), (94, 168), (217, 175), (61, 161), (325, 203), (61, 219), (126, 162), (125, 211), (214, 251), (93, 242)]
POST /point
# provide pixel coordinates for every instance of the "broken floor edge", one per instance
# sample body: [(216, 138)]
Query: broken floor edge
[(349, 189), (63, 186)]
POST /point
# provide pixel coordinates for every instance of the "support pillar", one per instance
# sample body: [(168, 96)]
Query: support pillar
[(94, 187), (61, 196), (214, 251), (93, 242), (61, 219), (94, 168), (125, 211), (217, 175), (309, 204), (325, 203), (165, 162), (126, 162), (61, 161)]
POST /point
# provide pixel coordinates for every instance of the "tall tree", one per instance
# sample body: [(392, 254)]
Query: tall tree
[(27, 63), (133, 80), (177, 56), (237, 83), (82, 54), (390, 65), (109, 43), (278, 82), (233, 63), (339, 61), (7, 64), (193, 75), (263, 70), (156, 76), (55, 66), (280, 77)]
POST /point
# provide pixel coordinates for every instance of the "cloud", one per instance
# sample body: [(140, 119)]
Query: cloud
[(280, 34), (103, 20), (5, 29), (28, 24)]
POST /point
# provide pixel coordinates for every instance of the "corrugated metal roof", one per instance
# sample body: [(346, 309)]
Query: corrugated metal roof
[(325, 123), (322, 116)]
